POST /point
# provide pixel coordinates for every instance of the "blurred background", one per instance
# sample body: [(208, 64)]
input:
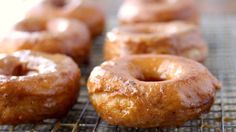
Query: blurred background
[(10, 10)]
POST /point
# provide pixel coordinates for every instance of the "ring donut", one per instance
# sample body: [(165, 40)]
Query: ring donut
[(35, 86), (151, 90), (85, 11), (177, 38), (55, 36), (139, 11)]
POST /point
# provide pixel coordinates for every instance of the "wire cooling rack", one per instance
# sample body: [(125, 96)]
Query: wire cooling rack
[(220, 33)]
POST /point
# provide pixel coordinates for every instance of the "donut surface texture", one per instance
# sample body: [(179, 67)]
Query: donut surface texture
[(83, 10), (35, 86), (140, 11), (151, 90), (60, 35), (177, 38)]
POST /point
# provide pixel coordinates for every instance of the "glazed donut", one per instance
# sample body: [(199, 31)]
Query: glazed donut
[(177, 38), (85, 11), (138, 11), (151, 90), (55, 36), (35, 86)]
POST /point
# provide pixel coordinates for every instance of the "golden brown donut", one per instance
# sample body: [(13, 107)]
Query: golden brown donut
[(60, 35), (35, 86), (151, 90), (177, 38), (85, 11), (138, 11)]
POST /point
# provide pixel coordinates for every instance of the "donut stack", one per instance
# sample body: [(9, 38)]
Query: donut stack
[(39, 75), (138, 86)]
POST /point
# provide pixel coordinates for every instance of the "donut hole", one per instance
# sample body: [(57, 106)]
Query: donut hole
[(32, 29), (166, 1), (148, 70), (158, 1), (140, 30), (58, 3), (148, 29), (148, 75), (31, 25), (19, 70), (150, 78), (14, 70), (11, 66), (163, 50)]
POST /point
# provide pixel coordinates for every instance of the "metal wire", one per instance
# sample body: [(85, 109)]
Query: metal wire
[(220, 33)]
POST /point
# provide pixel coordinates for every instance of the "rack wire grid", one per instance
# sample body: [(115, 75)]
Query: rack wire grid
[(220, 32)]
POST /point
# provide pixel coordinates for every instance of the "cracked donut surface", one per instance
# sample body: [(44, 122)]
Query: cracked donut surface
[(151, 90), (65, 36), (176, 38), (35, 86)]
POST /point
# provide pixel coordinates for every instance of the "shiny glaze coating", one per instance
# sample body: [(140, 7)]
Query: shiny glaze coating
[(60, 35), (151, 90), (177, 38), (35, 86), (85, 11), (139, 11)]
